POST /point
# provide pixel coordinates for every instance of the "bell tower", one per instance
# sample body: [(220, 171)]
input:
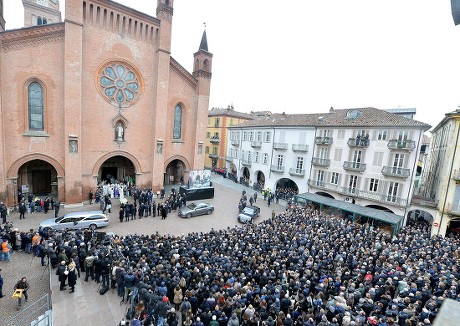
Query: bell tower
[(41, 12), (2, 21)]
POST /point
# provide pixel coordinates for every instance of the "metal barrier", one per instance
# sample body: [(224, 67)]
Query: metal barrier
[(29, 315)]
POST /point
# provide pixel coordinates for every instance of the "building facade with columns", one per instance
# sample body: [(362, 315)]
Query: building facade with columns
[(98, 96)]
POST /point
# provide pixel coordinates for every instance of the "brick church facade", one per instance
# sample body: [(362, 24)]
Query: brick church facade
[(97, 96)]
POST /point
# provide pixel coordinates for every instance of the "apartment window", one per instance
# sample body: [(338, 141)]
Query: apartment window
[(267, 136), (231, 122), (259, 136), (382, 135), (374, 185), (207, 150), (265, 158), (324, 152), (245, 136), (256, 157), (352, 183), (320, 178), (208, 135), (214, 150), (216, 122), (398, 161), (251, 136), (335, 178), (393, 192), (299, 164), (279, 161), (327, 133), (200, 149), (357, 156), (338, 154), (403, 135), (378, 157), (341, 134)]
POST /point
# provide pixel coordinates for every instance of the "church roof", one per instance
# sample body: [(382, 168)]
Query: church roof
[(229, 112), (204, 42), (362, 117)]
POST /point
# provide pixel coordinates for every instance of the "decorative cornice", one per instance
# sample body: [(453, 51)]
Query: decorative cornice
[(183, 72), (124, 10), (202, 73), (32, 35), (166, 9)]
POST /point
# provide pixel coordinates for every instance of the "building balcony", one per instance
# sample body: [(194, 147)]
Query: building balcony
[(453, 209), (456, 175), (229, 159), (235, 142), (357, 193), (321, 161), (277, 168), (358, 142), (396, 144), (299, 148), (354, 166), (322, 184), (246, 163), (256, 144), (282, 146), (323, 140), (213, 156), (214, 140), (296, 172), (391, 171)]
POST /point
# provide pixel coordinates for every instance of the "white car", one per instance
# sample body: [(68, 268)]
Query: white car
[(77, 220)]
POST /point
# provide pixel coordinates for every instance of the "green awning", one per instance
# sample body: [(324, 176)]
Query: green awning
[(373, 213)]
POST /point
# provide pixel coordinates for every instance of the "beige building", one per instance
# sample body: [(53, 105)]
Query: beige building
[(97, 96), (219, 119)]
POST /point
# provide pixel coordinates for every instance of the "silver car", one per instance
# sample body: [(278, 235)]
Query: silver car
[(195, 209), (77, 220)]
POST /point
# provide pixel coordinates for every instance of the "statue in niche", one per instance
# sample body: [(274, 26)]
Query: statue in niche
[(120, 131)]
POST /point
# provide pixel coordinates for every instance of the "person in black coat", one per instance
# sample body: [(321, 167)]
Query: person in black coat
[(62, 272), (72, 277), (164, 212), (22, 211)]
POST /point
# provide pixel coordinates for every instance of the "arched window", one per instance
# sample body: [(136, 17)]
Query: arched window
[(39, 21), (177, 132), (35, 100), (45, 21)]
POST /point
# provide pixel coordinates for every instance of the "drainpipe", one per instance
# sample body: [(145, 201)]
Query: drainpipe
[(312, 156), (412, 177), (271, 156), (450, 177)]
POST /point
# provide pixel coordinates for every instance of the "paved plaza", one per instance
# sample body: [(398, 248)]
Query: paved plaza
[(86, 306)]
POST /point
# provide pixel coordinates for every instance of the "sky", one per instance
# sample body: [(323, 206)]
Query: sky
[(305, 56)]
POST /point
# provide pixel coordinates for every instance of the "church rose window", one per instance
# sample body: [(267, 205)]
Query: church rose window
[(119, 84)]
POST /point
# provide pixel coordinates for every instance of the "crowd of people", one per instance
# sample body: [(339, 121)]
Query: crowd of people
[(301, 267)]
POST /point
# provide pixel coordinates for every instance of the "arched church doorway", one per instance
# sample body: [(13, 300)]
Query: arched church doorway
[(117, 168), (174, 172), (38, 177)]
